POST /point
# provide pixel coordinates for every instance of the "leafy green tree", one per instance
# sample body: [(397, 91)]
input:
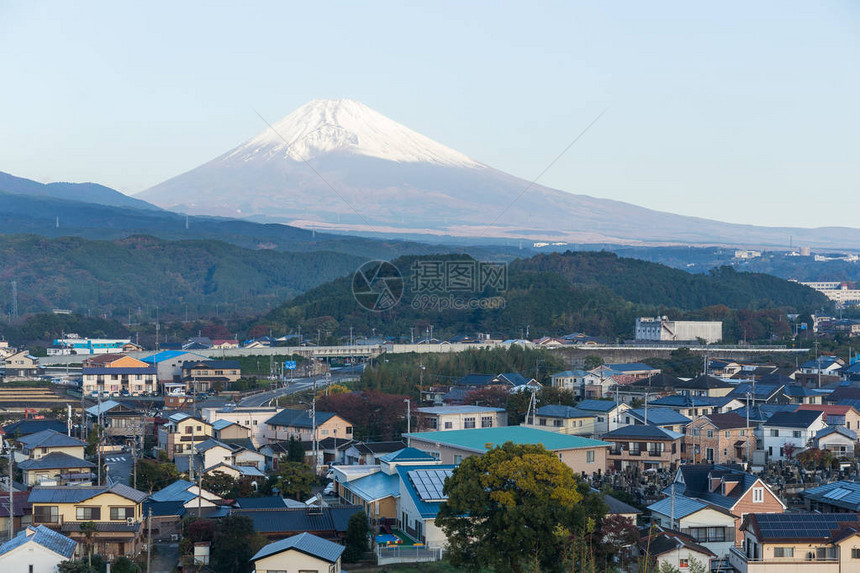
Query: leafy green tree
[(124, 565), (154, 475), (218, 483), (88, 528), (592, 361), (234, 544), (96, 565), (295, 450), (505, 509), (295, 480), (357, 531)]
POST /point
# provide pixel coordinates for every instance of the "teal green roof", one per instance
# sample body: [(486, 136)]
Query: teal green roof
[(478, 438)]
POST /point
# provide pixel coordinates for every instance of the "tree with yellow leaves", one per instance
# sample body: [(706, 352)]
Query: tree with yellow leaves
[(505, 510)]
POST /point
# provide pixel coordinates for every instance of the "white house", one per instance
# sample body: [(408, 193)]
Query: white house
[(36, 550), (609, 415), (303, 552), (796, 428), (708, 525)]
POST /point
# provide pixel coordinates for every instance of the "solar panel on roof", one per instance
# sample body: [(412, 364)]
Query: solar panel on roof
[(429, 483), (837, 493)]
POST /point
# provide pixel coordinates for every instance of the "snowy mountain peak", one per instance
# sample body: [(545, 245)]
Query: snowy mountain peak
[(343, 125)]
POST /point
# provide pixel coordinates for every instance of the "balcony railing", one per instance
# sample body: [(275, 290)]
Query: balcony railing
[(802, 556)]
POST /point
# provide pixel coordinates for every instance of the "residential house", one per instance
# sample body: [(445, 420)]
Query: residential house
[(836, 497), (41, 444), (21, 365), (370, 452), (189, 496), (584, 384), (692, 406), (236, 472), (205, 375), (328, 522), (215, 452), (647, 388), (298, 423), (582, 455), (719, 438), (460, 418), (709, 525), (118, 374), (795, 428), (227, 430), (674, 549), (837, 440), (644, 447), (563, 419), (421, 496), (304, 552), (836, 414), (627, 372), (609, 415), (57, 468), (116, 419), (181, 432), (704, 385), (617, 507), (223, 344), (26, 427), (803, 542), (665, 418), (727, 487), (116, 511), (255, 418), (331, 450), (510, 381), (831, 365), (38, 549), (21, 510), (798, 394), (724, 368)]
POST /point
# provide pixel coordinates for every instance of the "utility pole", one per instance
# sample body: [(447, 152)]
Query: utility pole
[(149, 541), (11, 495), (99, 436), (408, 416), (314, 424)]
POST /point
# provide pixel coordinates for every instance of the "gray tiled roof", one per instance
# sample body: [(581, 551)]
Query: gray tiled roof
[(55, 460), (306, 543), (50, 439)]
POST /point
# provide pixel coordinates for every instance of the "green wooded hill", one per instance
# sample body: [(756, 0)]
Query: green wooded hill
[(598, 293), (113, 277)]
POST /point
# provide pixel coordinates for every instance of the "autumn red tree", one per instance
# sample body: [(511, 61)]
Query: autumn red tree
[(374, 415)]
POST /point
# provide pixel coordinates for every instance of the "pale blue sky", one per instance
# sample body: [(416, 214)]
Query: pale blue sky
[(739, 111)]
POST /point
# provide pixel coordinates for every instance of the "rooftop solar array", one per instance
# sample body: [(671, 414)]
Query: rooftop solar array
[(429, 483), (837, 493), (801, 526)]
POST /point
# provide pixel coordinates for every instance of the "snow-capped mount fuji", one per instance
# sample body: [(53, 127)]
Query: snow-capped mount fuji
[(339, 165), (347, 126)]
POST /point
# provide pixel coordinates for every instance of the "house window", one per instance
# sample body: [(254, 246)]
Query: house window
[(589, 456), (177, 448), (855, 553), (349, 429), (88, 513), (486, 421), (774, 433), (758, 495), (448, 425), (187, 429), (789, 552), (542, 422), (599, 419), (728, 434), (469, 422), (46, 514), (458, 458), (558, 423), (743, 433), (710, 433), (121, 513), (796, 434), (684, 563)]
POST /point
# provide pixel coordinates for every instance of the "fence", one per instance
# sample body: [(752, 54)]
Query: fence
[(407, 554)]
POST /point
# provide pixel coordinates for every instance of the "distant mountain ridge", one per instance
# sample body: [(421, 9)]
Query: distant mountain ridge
[(339, 165), (84, 192)]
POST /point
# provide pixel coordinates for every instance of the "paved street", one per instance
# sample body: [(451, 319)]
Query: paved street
[(119, 467), (298, 385)]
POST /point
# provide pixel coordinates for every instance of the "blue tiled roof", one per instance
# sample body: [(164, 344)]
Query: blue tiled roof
[(44, 536), (407, 455), (77, 494), (55, 460), (630, 367), (50, 439), (164, 508), (596, 405), (845, 494), (375, 486), (558, 411), (684, 506), (659, 416), (427, 509), (306, 543), (27, 427), (644, 431), (842, 430), (177, 491), (268, 502)]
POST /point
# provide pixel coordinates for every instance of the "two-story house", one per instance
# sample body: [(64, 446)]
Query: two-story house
[(719, 438), (643, 446), (707, 524), (692, 406), (801, 542), (584, 384), (704, 385), (118, 374), (440, 418), (726, 487), (609, 415), (836, 414), (116, 512), (563, 419), (795, 428), (299, 423), (117, 419), (204, 375), (253, 418), (181, 433), (41, 444), (666, 418), (21, 365)]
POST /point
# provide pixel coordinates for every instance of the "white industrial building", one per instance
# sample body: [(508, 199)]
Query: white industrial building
[(662, 329)]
